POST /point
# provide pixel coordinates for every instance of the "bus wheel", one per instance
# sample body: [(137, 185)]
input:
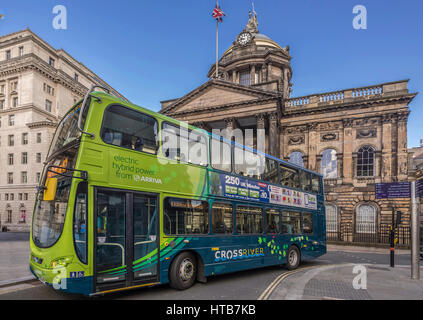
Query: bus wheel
[(183, 271), (293, 258)]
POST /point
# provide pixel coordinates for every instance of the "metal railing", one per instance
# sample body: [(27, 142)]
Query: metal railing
[(376, 234)]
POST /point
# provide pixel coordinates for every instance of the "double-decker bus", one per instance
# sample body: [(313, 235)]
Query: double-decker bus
[(117, 210)]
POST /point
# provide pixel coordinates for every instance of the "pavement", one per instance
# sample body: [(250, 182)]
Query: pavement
[(14, 258), (349, 281)]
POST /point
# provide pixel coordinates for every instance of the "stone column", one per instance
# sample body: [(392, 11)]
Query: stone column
[(281, 142), (312, 143), (285, 83), (387, 147), (402, 151), (274, 134), (348, 173), (261, 125), (253, 74)]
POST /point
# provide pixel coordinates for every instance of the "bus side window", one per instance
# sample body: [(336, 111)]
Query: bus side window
[(220, 152), (80, 222), (305, 179), (185, 216), (291, 222), (249, 220), (272, 221), (289, 177), (270, 173), (129, 129), (316, 187), (307, 222), (222, 218)]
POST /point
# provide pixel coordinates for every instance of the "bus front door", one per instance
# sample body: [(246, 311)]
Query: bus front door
[(126, 239)]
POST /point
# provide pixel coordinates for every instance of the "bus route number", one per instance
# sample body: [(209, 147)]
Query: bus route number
[(232, 180)]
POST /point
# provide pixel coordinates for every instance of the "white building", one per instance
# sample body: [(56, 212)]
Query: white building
[(38, 84)]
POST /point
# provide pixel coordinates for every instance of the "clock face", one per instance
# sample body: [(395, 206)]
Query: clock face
[(244, 38)]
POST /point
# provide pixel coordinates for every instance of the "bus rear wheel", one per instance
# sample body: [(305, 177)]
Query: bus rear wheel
[(293, 258), (183, 271)]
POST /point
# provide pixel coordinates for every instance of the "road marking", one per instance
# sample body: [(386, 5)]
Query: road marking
[(18, 287), (269, 290)]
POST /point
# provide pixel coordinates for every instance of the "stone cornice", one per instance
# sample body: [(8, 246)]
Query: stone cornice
[(224, 107), (32, 62), (40, 124), (220, 83), (359, 103)]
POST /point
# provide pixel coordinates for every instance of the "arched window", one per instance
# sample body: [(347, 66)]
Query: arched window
[(296, 158), (365, 219), (329, 164), (365, 161), (331, 218)]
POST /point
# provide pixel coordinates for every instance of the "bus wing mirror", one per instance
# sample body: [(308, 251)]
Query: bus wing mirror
[(50, 189)]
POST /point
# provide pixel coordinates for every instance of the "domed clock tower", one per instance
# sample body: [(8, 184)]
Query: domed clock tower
[(256, 60)]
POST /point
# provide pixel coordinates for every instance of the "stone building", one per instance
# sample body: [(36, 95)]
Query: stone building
[(38, 85), (355, 137)]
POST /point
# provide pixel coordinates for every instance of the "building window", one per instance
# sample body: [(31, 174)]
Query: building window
[(11, 140), (329, 166), (38, 176), (331, 218), (24, 177), (25, 196), (24, 157), (365, 161), (10, 177), (6, 196), (21, 51), (39, 137), (10, 159), (76, 77), (23, 216), (15, 102), (11, 120), (14, 85), (48, 105), (8, 55), (51, 61), (20, 196), (12, 197), (24, 138), (9, 216), (365, 219), (244, 78), (296, 158), (1, 104), (38, 157)]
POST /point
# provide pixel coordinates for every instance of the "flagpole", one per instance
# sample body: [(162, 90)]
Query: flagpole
[(217, 49), (217, 43)]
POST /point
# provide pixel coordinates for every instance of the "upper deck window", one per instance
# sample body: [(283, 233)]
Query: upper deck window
[(184, 145), (289, 177), (130, 129)]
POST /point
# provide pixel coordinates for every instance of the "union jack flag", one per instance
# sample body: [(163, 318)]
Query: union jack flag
[(218, 13)]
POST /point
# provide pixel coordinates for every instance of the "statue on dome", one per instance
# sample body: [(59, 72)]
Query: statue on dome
[(252, 25)]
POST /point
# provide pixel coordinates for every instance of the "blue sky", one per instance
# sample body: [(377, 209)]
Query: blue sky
[(158, 50)]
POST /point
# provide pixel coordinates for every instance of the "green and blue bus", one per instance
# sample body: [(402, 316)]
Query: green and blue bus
[(115, 210)]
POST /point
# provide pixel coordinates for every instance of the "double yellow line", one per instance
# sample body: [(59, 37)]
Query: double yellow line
[(269, 290)]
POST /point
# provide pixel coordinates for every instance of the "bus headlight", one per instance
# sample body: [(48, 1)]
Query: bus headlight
[(61, 262)]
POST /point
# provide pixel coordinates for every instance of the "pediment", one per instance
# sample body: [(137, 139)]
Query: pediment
[(216, 93)]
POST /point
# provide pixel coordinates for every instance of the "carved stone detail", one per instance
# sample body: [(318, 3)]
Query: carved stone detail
[(296, 140), (331, 136), (366, 133)]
